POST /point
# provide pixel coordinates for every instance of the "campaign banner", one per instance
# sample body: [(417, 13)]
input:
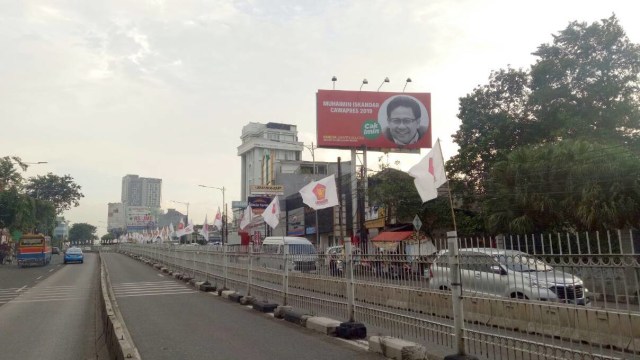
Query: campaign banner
[(258, 204), (379, 121), (139, 217), (295, 222)]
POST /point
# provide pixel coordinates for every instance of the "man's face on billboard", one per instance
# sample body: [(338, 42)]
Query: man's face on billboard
[(403, 124)]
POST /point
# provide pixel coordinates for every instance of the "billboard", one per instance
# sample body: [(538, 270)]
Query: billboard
[(258, 204), (382, 121), (140, 218), (266, 189), (295, 222)]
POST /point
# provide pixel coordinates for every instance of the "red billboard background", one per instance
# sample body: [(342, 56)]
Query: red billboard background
[(353, 119)]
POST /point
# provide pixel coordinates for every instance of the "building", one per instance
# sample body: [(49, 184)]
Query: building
[(140, 191), (264, 148), (115, 217), (61, 231)]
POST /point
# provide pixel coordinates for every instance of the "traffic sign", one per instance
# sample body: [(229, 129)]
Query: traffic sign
[(417, 223)]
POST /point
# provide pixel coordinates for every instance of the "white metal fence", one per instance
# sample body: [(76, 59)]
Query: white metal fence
[(561, 296)]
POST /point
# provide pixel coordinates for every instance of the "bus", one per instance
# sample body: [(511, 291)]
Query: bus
[(33, 249)]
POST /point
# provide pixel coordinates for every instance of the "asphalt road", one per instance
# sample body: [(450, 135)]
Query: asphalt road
[(169, 320), (50, 312)]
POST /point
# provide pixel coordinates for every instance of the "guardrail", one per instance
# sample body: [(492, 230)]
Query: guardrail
[(398, 294)]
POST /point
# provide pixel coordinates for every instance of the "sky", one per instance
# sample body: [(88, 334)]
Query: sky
[(101, 89)]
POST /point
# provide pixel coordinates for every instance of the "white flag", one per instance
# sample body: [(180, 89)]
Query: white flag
[(188, 229), (205, 229), (429, 174), (171, 231), (180, 230), (246, 218), (320, 194), (271, 214), (217, 222)]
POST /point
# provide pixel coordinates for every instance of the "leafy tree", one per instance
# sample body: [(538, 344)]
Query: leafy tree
[(82, 233), (16, 210), (107, 238), (62, 191), (394, 190), (570, 185), (584, 85), (9, 175), (436, 217)]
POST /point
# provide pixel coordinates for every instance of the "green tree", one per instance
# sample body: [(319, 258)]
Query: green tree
[(9, 175), (584, 85), (62, 191), (570, 185), (82, 233), (16, 210), (395, 191), (107, 238)]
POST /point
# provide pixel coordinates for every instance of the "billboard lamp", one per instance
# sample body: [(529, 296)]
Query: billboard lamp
[(364, 82), (386, 80), (405, 84)]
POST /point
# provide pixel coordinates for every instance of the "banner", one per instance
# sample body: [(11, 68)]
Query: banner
[(379, 121), (258, 204), (139, 218)]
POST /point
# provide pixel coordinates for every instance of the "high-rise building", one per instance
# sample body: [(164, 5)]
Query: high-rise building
[(263, 147), (140, 191)]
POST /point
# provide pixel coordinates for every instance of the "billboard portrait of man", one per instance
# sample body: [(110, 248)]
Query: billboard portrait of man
[(377, 121), (404, 120)]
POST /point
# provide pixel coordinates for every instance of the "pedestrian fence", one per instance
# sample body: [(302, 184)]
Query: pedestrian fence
[(561, 296)]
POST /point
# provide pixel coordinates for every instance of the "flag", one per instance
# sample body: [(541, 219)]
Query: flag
[(205, 229), (188, 229), (320, 194), (180, 230), (246, 218), (217, 222), (171, 231), (429, 174), (271, 214)]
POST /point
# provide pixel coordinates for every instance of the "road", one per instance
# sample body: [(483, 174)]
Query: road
[(169, 320), (50, 312)]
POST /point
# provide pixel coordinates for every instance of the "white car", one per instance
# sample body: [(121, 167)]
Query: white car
[(508, 273)]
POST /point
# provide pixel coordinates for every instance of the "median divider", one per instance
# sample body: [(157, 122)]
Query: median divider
[(117, 336)]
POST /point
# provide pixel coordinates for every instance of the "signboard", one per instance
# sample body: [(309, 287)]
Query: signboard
[(295, 222), (417, 224), (238, 204), (258, 204), (266, 189), (382, 121), (139, 218)]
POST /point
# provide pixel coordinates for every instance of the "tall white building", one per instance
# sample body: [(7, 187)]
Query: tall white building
[(265, 148), (140, 191)]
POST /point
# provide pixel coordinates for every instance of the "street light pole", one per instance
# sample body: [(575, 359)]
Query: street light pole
[(225, 228), (313, 159)]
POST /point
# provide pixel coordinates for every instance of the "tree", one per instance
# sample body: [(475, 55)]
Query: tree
[(62, 191), (82, 233), (107, 238), (570, 185), (395, 191), (584, 85), (9, 175)]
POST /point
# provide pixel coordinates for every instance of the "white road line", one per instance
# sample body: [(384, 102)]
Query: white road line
[(22, 288), (39, 277), (160, 275), (355, 343), (51, 270), (42, 300), (155, 294)]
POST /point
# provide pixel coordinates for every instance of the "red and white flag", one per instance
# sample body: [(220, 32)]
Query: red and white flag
[(246, 218), (271, 214), (188, 229), (320, 194), (180, 230), (429, 174), (218, 220), (205, 229)]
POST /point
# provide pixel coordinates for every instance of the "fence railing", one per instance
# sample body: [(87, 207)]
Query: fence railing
[(566, 296)]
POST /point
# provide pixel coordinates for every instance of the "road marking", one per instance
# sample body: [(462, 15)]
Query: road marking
[(22, 288), (39, 277), (356, 343), (160, 275), (155, 294), (51, 270)]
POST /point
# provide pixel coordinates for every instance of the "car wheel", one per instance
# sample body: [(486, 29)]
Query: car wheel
[(65, 262), (519, 296), (81, 261)]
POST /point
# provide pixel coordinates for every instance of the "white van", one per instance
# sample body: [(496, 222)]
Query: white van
[(302, 254)]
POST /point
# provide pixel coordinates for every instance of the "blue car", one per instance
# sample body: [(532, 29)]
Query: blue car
[(73, 254)]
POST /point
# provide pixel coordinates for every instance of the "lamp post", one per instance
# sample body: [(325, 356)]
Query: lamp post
[(386, 80), (334, 79), (313, 158), (364, 82), (225, 229), (405, 84)]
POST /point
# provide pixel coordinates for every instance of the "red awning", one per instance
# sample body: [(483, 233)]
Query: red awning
[(393, 236)]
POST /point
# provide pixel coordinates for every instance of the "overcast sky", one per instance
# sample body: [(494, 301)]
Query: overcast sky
[(101, 89)]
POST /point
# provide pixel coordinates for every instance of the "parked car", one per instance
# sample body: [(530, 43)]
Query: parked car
[(508, 273), (334, 259), (55, 250), (73, 254)]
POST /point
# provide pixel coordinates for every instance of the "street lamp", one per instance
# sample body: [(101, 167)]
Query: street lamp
[(225, 228), (183, 203), (405, 84), (334, 79), (313, 158), (364, 82), (386, 80)]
